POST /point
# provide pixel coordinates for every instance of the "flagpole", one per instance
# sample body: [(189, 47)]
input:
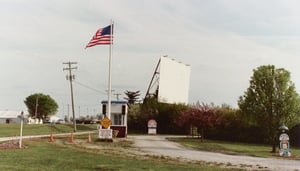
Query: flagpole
[(109, 72)]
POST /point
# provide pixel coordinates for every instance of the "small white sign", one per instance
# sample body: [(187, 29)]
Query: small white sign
[(105, 133), (284, 137), (151, 130), (152, 125)]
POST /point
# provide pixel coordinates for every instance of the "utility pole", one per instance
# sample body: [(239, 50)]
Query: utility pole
[(71, 77), (36, 105), (69, 113), (117, 95), (79, 111)]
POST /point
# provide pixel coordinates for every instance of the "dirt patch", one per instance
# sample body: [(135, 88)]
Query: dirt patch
[(11, 145)]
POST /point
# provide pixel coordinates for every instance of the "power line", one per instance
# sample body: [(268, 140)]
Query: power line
[(88, 87)]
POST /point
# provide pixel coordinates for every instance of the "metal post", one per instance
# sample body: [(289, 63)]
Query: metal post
[(109, 72)]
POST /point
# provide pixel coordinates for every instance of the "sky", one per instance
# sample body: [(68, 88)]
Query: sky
[(222, 40)]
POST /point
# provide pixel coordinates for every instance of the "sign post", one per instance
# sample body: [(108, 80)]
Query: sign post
[(105, 133), (284, 142), (284, 145)]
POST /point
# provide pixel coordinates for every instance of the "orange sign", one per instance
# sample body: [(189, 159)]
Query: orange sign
[(105, 122)]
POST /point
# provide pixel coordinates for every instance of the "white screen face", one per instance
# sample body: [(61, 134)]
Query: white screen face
[(174, 81)]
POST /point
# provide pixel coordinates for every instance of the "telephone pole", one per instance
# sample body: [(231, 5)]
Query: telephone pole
[(71, 77), (117, 95), (36, 105)]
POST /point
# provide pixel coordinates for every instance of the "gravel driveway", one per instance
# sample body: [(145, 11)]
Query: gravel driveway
[(158, 145)]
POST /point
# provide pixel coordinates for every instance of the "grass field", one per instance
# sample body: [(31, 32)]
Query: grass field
[(10, 130), (255, 150), (98, 156)]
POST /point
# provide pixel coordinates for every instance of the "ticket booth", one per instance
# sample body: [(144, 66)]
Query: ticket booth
[(118, 116)]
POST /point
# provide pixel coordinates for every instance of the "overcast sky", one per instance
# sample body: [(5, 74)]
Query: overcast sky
[(222, 40)]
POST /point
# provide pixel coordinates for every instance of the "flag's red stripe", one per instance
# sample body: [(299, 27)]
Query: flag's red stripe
[(100, 39)]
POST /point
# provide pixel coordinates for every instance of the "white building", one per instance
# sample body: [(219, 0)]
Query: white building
[(52, 119), (11, 117), (31, 120), (8, 116)]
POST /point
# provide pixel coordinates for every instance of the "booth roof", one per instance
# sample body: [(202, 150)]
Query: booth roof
[(114, 102)]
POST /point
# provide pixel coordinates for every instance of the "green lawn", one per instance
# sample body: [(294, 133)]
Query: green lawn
[(232, 148), (10, 130), (44, 155), (60, 155)]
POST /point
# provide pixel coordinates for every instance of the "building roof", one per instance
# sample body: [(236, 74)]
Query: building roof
[(8, 114), (114, 102)]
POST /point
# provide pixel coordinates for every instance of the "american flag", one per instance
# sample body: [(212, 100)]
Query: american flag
[(103, 36)]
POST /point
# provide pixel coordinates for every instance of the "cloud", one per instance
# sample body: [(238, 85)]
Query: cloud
[(221, 40)]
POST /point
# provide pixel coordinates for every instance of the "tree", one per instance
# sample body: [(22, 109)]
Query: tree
[(167, 116), (132, 96), (149, 110), (233, 126), (41, 106), (200, 115), (229, 116), (134, 120), (270, 101)]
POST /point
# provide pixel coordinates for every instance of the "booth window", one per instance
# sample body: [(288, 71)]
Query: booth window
[(117, 119)]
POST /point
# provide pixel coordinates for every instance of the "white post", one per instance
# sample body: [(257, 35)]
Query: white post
[(21, 134), (21, 129), (125, 120)]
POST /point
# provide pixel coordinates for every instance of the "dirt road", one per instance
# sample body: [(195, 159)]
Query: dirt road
[(158, 145)]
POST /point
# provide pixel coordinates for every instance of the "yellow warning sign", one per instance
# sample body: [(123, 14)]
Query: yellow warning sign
[(105, 122)]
